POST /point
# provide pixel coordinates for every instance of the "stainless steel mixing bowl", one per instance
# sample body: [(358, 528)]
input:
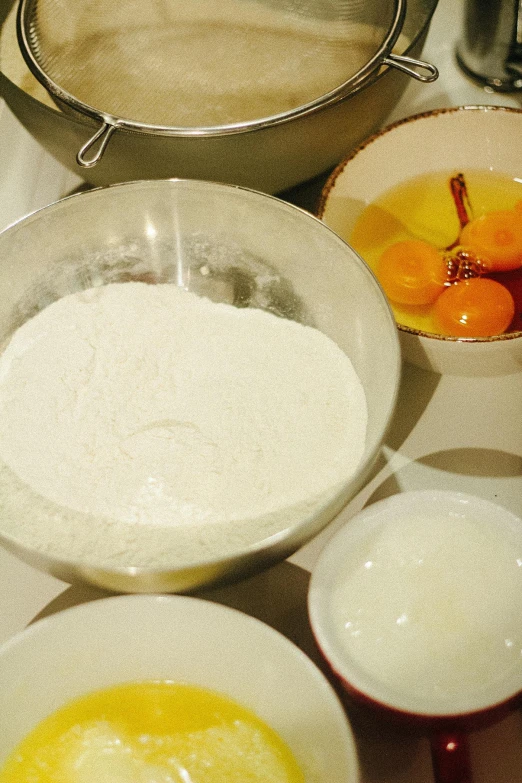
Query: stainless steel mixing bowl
[(270, 159), (250, 250)]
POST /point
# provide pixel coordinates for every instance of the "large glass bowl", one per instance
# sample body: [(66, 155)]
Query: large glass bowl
[(228, 244)]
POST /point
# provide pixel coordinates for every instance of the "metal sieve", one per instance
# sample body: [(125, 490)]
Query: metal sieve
[(201, 68)]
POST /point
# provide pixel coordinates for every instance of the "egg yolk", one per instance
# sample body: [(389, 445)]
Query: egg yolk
[(479, 307), (497, 236), (412, 272)]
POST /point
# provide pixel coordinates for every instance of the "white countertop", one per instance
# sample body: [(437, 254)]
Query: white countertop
[(451, 433)]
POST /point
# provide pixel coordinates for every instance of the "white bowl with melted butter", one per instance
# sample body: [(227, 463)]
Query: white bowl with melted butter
[(168, 689)]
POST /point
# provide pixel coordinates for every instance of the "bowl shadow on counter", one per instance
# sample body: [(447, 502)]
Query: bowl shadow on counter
[(416, 389), (483, 469), (276, 596)]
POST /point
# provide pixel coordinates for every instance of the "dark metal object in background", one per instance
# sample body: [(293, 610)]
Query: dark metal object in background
[(490, 50)]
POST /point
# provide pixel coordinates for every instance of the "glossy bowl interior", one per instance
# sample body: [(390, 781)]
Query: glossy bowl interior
[(133, 638), (457, 139), (344, 553), (230, 245)]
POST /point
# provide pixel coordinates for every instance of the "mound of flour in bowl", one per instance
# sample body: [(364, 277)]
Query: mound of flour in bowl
[(145, 425)]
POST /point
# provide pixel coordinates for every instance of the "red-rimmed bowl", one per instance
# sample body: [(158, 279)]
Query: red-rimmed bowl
[(415, 605), (466, 138), (429, 582)]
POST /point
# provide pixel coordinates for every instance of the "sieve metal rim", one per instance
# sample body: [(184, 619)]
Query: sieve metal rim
[(111, 122), (26, 43)]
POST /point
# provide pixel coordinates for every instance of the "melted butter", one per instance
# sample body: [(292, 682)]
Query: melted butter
[(152, 732), (423, 208)]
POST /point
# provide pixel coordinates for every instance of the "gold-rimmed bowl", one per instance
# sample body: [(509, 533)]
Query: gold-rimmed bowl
[(455, 139)]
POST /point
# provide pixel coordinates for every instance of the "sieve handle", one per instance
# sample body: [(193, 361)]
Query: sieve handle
[(428, 72), (102, 138)]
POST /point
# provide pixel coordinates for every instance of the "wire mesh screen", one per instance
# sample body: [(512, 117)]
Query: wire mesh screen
[(200, 63)]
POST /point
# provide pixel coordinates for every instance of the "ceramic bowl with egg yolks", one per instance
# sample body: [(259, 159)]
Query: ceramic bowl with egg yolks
[(475, 141)]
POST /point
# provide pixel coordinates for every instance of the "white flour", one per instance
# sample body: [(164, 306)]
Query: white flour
[(142, 424)]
